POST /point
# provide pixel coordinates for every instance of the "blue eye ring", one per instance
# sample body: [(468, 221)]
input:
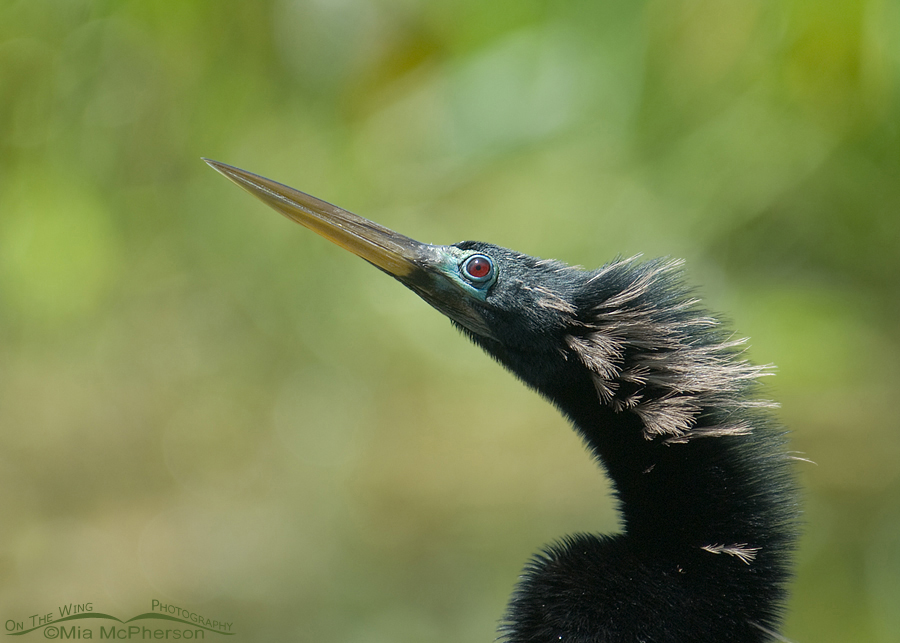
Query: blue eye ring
[(478, 269)]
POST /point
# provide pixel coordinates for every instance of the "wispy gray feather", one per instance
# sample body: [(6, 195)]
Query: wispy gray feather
[(646, 357)]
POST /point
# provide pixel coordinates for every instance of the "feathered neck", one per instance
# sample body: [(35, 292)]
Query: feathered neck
[(666, 402)]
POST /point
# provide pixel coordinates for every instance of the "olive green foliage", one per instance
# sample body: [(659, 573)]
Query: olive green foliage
[(205, 404)]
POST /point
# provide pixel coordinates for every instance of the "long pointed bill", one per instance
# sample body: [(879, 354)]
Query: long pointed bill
[(426, 269), (389, 250)]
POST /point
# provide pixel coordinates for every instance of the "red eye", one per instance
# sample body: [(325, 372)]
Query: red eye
[(478, 268)]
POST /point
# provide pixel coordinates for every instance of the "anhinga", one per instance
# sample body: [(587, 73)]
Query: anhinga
[(663, 400)]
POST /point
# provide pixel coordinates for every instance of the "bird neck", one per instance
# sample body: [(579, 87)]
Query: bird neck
[(708, 531), (698, 468), (693, 492), (667, 405)]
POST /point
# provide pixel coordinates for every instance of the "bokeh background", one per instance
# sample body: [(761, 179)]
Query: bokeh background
[(205, 404)]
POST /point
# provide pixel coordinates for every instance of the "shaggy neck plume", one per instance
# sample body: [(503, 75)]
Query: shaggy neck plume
[(665, 401)]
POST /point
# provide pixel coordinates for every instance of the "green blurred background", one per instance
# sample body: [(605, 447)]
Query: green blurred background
[(205, 404)]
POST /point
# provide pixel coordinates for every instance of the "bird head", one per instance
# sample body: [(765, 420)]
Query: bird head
[(513, 305)]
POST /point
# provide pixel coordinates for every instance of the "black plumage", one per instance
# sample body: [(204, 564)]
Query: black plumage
[(664, 401)]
